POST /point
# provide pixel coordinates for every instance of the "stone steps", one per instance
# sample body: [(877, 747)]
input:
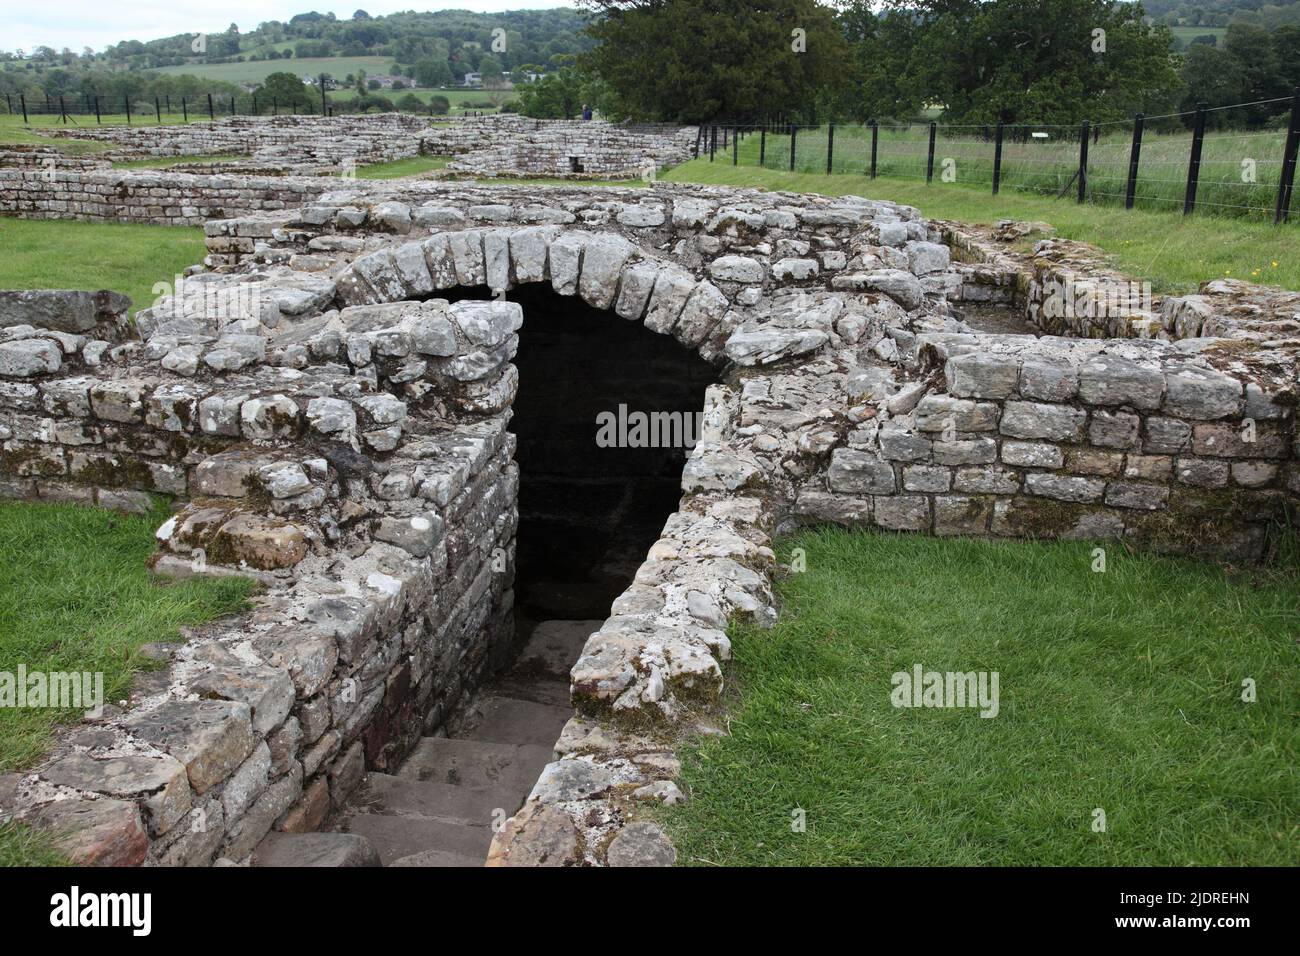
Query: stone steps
[(440, 807)]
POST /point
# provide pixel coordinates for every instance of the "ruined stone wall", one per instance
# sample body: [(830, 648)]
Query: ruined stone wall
[(518, 146), (350, 402), (295, 141), (485, 145), (161, 198), (385, 540)]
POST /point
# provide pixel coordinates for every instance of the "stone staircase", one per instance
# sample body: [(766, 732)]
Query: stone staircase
[(440, 807)]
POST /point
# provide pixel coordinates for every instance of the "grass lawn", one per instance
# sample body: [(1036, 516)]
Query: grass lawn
[(1174, 252), (399, 168), (1118, 691), (336, 66), (23, 846), (75, 596), (125, 257)]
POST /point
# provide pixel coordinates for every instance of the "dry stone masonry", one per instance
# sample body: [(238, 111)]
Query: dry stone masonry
[(330, 421)]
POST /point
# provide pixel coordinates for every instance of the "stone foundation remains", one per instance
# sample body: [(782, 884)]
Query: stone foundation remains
[(331, 423)]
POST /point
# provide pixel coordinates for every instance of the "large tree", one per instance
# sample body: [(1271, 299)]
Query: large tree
[(1046, 61), (694, 60)]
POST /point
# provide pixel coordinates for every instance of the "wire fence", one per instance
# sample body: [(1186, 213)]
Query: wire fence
[(1170, 162), (87, 109)]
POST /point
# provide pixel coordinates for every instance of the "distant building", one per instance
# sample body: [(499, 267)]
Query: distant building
[(472, 79)]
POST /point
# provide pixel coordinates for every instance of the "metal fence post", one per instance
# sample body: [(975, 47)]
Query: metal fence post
[(63, 110), (232, 104), (212, 115), (929, 160), (875, 133), (23, 101), (97, 117), (1083, 161), (794, 131), (1194, 160), (1134, 156), (324, 106), (185, 110), (735, 146), (1286, 180), (997, 158), (762, 147), (830, 146), (157, 110)]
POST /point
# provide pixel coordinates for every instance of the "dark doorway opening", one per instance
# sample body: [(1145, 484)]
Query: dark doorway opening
[(588, 514)]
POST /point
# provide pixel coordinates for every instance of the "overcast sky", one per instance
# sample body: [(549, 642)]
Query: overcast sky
[(99, 23)]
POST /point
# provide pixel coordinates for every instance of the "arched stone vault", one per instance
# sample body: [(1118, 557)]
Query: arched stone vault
[(341, 431)]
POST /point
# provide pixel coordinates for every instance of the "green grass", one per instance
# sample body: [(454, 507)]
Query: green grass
[(1173, 251), (75, 596), (399, 168), (1047, 167), (1118, 690), (23, 846), (336, 66), (125, 257), (163, 162)]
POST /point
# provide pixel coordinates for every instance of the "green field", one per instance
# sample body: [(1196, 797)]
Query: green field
[(125, 257), (1174, 252), (1188, 34), (402, 168), (336, 66), (459, 99), (75, 596), (1118, 691), (1048, 167)]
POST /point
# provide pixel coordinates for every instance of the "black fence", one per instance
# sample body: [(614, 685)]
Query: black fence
[(82, 109), (1192, 160)]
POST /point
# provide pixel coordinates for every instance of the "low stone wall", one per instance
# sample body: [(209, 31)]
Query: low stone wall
[(342, 431), (386, 544), (517, 146), (494, 145), (162, 198)]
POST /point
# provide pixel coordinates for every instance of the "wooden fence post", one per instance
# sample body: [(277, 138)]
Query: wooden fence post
[(875, 134), (1286, 180), (830, 146), (929, 159), (1134, 156), (1083, 161), (794, 131), (1194, 160), (997, 158)]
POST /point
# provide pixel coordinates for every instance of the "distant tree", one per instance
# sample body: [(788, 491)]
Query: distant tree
[(1012, 60), (410, 103), (691, 60), (287, 90), (439, 105), (432, 71)]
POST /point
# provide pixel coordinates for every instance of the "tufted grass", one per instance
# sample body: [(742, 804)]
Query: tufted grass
[(1118, 690), (23, 846), (400, 168), (124, 257), (75, 596), (1174, 252)]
